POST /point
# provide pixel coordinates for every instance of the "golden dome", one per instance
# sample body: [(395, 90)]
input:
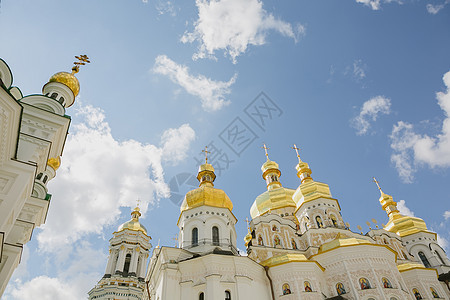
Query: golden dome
[(68, 80), (206, 169), (269, 166), (311, 190), (54, 162), (248, 238), (133, 224), (206, 195), (272, 199), (398, 223)]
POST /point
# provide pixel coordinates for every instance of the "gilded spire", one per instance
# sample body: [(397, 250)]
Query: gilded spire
[(387, 202), (69, 79), (206, 154), (303, 170), (271, 171), (296, 151), (402, 225), (206, 173), (265, 150), (136, 213)]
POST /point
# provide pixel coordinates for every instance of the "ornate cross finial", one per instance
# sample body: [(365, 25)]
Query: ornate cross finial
[(206, 153), (138, 202), (265, 150), (377, 183), (82, 60), (248, 222), (296, 151)]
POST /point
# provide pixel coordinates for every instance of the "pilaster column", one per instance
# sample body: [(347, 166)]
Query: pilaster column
[(134, 261), (111, 259), (142, 269), (121, 260)]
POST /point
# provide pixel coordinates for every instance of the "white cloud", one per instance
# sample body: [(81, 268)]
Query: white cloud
[(370, 111), (212, 93), (435, 8), (47, 288), (74, 277), (447, 214), (376, 4), (359, 69), (442, 242), (233, 25), (403, 209), (99, 174), (165, 7), (412, 149)]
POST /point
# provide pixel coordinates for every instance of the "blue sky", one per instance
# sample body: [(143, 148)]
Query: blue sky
[(358, 85)]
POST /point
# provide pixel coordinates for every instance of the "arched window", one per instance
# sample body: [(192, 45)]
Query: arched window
[(433, 292), (227, 295), (201, 296), (364, 283), (340, 289), (294, 244), (440, 257), (334, 220), (54, 95), (260, 241), (61, 100), (276, 241), (307, 286), (195, 236), (424, 260), (306, 226), (286, 289), (386, 283), (417, 294), (39, 176), (215, 236), (45, 179), (126, 267), (319, 222)]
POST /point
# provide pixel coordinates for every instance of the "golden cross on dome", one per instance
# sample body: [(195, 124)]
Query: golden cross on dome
[(138, 202), (377, 183), (265, 150), (206, 153), (248, 222), (296, 151), (82, 60)]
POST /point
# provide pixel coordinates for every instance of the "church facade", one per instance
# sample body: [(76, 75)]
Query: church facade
[(33, 131), (298, 247)]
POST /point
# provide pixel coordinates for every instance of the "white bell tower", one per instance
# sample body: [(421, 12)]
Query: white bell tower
[(127, 261)]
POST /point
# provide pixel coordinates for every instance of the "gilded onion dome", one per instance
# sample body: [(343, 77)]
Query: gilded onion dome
[(398, 223), (68, 79), (54, 162), (248, 238), (206, 194), (134, 223), (309, 190), (276, 196)]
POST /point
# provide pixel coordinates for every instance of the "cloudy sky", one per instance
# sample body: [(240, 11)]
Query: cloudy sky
[(361, 86)]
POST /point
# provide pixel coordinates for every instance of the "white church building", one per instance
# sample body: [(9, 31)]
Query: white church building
[(298, 246), (33, 131)]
